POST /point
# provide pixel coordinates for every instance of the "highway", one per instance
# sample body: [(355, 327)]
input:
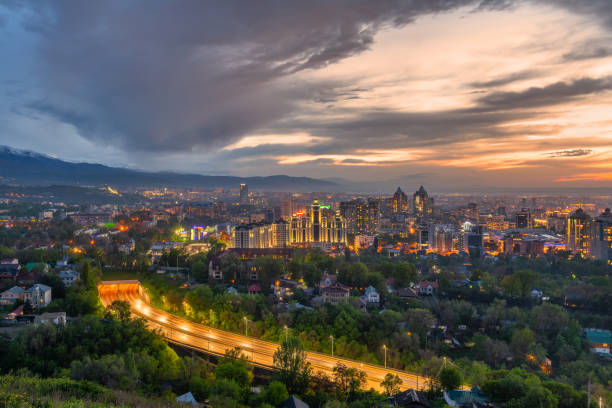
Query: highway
[(214, 341)]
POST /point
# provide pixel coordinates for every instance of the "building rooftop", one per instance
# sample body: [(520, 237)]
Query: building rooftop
[(598, 336)]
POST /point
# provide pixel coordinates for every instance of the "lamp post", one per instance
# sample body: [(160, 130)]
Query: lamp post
[(246, 325), (331, 336), (286, 332), (385, 348)]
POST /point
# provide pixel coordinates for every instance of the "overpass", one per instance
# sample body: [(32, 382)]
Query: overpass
[(214, 341)]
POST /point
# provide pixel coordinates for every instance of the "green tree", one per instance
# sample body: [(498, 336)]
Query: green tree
[(119, 309), (275, 393), (348, 380), (522, 341), (293, 369), (403, 274), (391, 384), (200, 388), (234, 368), (269, 270), (199, 271), (450, 378)]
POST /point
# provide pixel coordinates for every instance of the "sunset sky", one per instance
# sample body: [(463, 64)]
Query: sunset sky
[(452, 94)]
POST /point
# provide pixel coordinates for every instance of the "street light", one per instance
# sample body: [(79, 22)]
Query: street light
[(331, 336), (385, 348), (246, 325), (286, 331)]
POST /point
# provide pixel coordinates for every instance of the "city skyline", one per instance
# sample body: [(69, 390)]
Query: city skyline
[(486, 93)]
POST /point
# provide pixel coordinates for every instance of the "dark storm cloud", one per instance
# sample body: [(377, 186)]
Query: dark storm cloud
[(571, 153), (588, 51), (506, 79), (488, 118), (160, 75), (600, 10), (553, 94)]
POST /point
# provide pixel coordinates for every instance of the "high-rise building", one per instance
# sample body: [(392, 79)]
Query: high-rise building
[(422, 204), (602, 236), (474, 241), (579, 233), (366, 217), (524, 219), (400, 202), (473, 212), (319, 224), (244, 194), (288, 208), (261, 235), (441, 237), (362, 216)]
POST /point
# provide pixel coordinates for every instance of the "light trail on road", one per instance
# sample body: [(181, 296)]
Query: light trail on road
[(214, 341)]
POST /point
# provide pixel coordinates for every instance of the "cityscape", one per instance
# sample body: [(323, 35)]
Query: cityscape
[(306, 204)]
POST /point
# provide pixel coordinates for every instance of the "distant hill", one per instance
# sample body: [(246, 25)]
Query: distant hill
[(30, 168)]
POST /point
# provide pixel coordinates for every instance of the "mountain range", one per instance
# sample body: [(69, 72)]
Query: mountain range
[(30, 168)]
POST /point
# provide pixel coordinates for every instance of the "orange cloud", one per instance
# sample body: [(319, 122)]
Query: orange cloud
[(587, 177)]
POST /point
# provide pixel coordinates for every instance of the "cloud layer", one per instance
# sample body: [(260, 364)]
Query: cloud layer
[(323, 87)]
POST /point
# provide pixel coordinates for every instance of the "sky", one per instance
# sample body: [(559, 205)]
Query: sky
[(453, 94)]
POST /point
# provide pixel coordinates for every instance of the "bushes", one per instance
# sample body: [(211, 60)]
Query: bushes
[(18, 391)]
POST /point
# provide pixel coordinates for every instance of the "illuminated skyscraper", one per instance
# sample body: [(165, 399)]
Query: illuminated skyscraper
[(579, 233), (422, 204), (244, 194), (400, 202), (602, 236), (523, 219)]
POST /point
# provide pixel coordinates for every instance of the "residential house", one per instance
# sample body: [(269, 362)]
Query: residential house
[(284, 288), (28, 277), (9, 268), (327, 280), (254, 289), (294, 402), (10, 296), (127, 247), (335, 293), (41, 267), (38, 295), (406, 293), (69, 277), (411, 399), (599, 340), (187, 399), (57, 318), (62, 263), (371, 295), (17, 312), (473, 398), (427, 288)]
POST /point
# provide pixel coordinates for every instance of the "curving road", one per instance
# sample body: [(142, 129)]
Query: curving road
[(215, 341)]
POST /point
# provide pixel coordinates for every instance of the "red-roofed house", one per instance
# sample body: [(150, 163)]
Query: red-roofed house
[(427, 288), (17, 312), (254, 289)]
